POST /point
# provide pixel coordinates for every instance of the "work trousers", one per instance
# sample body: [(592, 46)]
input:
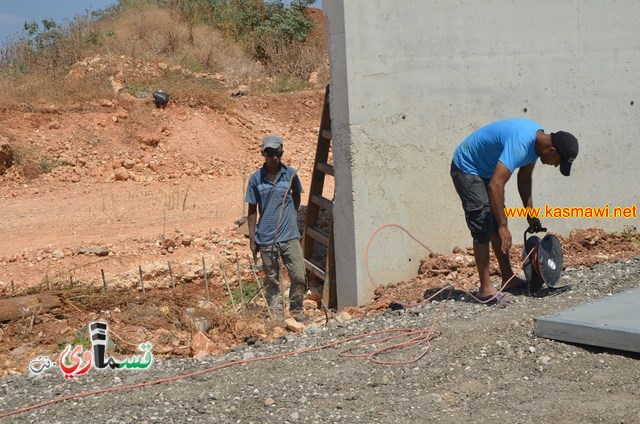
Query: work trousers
[(291, 254)]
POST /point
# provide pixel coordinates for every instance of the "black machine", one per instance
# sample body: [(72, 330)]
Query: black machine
[(544, 265), (160, 98)]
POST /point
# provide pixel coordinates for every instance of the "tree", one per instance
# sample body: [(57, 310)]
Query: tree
[(193, 12), (47, 37)]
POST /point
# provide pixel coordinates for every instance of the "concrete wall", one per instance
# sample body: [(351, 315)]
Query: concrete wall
[(412, 78)]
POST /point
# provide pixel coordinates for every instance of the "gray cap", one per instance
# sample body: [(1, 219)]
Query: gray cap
[(271, 141)]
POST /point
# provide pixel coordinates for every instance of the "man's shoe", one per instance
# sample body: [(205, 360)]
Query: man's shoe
[(298, 315), (301, 318), (274, 304)]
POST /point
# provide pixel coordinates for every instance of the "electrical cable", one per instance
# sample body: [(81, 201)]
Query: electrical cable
[(414, 337), (410, 305), (178, 377)]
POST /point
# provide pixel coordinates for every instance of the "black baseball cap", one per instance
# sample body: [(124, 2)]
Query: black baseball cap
[(567, 146)]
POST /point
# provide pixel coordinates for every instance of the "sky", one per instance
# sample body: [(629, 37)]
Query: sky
[(14, 13)]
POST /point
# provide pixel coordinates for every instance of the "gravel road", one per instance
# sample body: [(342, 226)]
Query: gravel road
[(486, 366)]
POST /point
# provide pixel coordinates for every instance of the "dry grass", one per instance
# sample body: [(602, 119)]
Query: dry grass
[(134, 317), (151, 33), (157, 34), (33, 88), (146, 33), (294, 60), (30, 161)]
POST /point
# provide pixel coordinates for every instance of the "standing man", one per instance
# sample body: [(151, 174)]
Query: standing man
[(274, 190), (482, 164)]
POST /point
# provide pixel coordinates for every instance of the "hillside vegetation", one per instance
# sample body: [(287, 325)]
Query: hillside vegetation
[(196, 49)]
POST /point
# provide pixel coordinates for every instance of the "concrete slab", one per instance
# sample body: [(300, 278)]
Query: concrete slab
[(612, 322)]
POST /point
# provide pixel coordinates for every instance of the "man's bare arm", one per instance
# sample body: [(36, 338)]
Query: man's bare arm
[(524, 185), (496, 198), (496, 193), (526, 194), (296, 200), (252, 217)]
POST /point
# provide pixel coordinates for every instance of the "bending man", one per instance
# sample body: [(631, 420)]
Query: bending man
[(481, 166)]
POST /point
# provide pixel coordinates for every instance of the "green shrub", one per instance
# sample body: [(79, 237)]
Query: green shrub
[(138, 90), (629, 232), (285, 84), (46, 165), (261, 26), (241, 39), (95, 37), (48, 47), (191, 63), (244, 296)]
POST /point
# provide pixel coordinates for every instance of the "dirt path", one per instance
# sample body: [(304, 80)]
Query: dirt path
[(103, 214), (190, 182)]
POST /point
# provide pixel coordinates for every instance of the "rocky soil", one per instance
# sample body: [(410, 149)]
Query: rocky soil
[(120, 188), (485, 365)]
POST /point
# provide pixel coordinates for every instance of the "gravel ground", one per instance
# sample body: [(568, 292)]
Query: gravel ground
[(486, 366)]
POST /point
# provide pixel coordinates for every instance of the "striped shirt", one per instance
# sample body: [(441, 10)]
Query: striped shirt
[(268, 196)]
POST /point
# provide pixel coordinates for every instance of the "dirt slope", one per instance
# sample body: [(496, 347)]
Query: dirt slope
[(191, 181), (149, 185)]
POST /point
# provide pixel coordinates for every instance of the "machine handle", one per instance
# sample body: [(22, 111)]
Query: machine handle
[(533, 230)]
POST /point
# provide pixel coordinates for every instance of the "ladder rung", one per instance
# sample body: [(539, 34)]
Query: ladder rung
[(322, 201), (318, 235), (314, 269), (326, 134), (325, 167)]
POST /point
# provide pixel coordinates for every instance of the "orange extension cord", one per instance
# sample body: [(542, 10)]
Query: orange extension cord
[(412, 336), (410, 305)]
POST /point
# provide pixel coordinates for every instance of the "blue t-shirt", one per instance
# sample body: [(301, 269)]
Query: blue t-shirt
[(511, 141), (268, 196)]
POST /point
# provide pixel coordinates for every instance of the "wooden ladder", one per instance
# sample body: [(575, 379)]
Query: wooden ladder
[(317, 202)]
